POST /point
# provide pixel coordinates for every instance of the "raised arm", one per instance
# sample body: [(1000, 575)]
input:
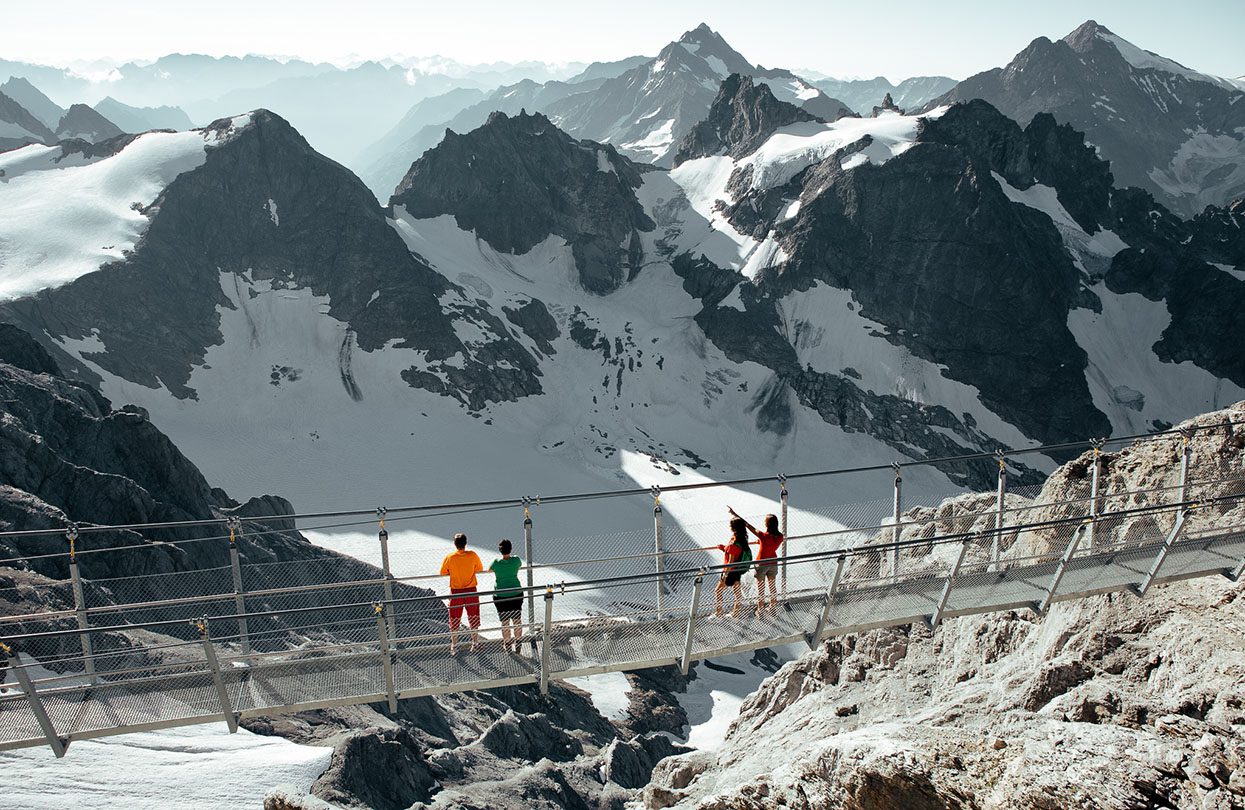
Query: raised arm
[(751, 528)]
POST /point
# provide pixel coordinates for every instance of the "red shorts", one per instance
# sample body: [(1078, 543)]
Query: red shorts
[(470, 603)]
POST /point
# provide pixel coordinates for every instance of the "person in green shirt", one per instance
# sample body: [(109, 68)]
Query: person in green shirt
[(509, 596)]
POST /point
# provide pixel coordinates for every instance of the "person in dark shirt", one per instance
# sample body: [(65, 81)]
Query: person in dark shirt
[(767, 560)]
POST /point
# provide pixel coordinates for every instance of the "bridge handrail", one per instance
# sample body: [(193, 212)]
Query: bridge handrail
[(405, 512), (596, 583)]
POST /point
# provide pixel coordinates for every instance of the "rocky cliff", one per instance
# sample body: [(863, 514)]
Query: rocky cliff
[(1105, 702), (518, 180)]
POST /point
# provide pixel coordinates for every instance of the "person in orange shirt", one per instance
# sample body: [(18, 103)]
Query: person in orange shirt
[(461, 567)]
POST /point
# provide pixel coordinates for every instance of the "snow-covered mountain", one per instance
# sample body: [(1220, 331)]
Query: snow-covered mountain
[(1166, 128), (646, 111), (914, 285), (643, 106), (862, 94)]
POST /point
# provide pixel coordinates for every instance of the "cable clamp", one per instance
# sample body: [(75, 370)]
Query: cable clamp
[(200, 624), (380, 515), (1002, 457), (655, 491), (235, 525), (377, 608), (898, 472), (5, 648), (71, 534)]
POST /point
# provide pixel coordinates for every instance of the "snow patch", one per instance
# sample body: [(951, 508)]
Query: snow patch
[(1119, 343), (271, 207), (603, 162), (1102, 245), (610, 693), (64, 220)]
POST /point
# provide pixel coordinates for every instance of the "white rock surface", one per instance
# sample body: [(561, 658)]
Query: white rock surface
[(1108, 702)]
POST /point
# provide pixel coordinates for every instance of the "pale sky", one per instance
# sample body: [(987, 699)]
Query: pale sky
[(898, 38)]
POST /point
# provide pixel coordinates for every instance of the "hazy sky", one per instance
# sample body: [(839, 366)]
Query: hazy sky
[(897, 38)]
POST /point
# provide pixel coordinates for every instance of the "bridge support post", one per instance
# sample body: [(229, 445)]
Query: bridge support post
[(1186, 452), (815, 637), (386, 655), (57, 744), (659, 553), (239, 595), (895, 533), (209, 652), (1095, 471), (79, 603), (387, 573), (530, 561), (697, 586), (996, 547), (545, 641), (1168, 542), (782, 528), (1063, 565), (955, 570)]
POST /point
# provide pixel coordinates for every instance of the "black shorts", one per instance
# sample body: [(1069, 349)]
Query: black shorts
[(730, 578), (509, 608)]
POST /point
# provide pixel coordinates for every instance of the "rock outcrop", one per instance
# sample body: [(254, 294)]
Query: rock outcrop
[(743, 115), (519, 179), (1105, 702)]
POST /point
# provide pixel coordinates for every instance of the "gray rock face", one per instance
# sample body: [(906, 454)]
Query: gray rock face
[(156, 310), (382, 769), (999, 269), (1163, 127), (630, 763), (742, 117), (1108, 702), (517, 180), (83, 123)]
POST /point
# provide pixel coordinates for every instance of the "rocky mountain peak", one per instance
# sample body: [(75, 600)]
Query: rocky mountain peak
[(23, 127), (1082, 38), (519, 179), (80, 121), (743, 115), (30, 97)]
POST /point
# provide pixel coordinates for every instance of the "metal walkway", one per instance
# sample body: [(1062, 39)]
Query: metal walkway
[(342, 637)]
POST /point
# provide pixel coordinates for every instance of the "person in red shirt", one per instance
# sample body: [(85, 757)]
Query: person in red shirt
[(461, 567), (735, 557), (767, 560)]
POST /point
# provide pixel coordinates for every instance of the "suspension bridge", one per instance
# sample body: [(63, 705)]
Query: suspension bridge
[(91, 657)]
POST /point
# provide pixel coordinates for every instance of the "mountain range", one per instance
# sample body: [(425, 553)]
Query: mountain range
[(1172, 131)]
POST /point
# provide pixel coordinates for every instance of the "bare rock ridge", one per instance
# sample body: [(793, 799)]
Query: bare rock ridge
[(519, 179), (743, 115), (1104, 702)]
